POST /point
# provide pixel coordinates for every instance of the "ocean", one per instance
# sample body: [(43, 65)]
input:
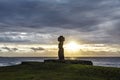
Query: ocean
[(97, 61)]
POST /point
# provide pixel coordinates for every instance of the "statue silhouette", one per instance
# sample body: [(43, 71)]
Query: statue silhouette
[(61, 40)]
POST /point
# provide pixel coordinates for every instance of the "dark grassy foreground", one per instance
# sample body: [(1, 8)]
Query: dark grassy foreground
[(58, 71)]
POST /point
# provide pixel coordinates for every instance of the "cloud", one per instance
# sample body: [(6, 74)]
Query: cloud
[(95, 21), (39, 14), (25, 37), (37, 49)]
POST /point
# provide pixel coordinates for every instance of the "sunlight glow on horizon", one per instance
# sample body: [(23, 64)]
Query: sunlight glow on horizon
[(72, 46)]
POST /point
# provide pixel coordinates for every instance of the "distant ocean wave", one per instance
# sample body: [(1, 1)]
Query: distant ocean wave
[(97, 61), (107, 64), (9, 61), (104, 61), (9, 64)]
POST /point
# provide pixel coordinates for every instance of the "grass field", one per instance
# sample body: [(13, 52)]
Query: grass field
[(58, 71)]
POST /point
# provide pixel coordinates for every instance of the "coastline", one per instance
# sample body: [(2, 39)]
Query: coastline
[(97, 61)]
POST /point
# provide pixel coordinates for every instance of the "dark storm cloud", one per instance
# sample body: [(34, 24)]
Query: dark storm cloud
[(96, 20), (41, 13)]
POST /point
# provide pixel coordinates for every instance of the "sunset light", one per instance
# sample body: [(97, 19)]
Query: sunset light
[(59, 39), (74, 46)]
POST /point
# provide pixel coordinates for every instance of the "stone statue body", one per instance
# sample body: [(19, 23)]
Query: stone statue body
[(61, 40)]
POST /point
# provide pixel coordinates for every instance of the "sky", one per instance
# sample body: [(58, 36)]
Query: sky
[(89, 22)]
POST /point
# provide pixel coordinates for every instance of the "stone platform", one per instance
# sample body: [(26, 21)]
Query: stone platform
[(83, 62)]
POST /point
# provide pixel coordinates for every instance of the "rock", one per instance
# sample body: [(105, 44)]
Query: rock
[(83, 62)]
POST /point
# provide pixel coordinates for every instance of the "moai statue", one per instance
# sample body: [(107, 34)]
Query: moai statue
[(61, 40)]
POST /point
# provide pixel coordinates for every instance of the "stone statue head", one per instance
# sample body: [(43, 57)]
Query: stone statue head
[(61, 39)]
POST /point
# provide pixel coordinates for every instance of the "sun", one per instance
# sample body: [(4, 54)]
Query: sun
[(73, 46)]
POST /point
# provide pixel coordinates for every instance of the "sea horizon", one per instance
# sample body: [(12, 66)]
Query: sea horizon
[(97, 61)]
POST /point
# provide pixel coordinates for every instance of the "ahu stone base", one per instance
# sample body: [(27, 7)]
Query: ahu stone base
[(83, 62)]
